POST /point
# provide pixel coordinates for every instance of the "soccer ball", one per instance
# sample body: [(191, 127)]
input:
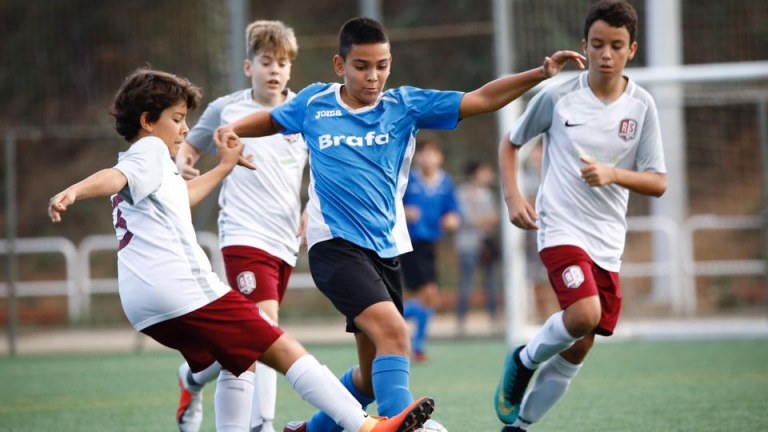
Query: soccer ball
[(432, 426)]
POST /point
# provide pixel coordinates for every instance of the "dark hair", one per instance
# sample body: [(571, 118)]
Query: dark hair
[(360, 31), (429, 142), (616, 13), (151, 91), (472, 167)]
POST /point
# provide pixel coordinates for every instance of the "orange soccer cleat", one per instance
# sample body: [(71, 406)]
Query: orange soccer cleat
[(411, 419)]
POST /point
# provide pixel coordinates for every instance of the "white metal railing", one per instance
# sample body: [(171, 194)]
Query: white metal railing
[(67, 286), (695, 268), (667, 228), (78, 285)]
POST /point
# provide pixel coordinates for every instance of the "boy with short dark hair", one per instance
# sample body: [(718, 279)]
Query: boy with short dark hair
[(166, 284), (601, 140), (361, 142), (259, 220)]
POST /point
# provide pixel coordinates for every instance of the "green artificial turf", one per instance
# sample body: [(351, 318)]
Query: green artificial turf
[(626, 386)]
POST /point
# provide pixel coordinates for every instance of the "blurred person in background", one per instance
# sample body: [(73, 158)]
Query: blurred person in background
[(430, 208), (476, 240), (259, 221)]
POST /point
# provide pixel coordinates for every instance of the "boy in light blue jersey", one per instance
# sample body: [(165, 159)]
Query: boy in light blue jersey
[(361, 140)]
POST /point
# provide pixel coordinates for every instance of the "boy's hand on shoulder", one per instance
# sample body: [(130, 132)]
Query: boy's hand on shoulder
[(596, 174), (554, 64), (521, 213), (59, 204)]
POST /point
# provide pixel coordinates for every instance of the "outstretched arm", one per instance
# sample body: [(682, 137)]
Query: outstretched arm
[(229, 149), (500, 92), (645, 183), (103, 183), (255, 125), (521, 213)]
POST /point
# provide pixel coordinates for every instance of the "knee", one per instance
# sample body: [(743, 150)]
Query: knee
[(578, 352), (392, 338), (583, 320)]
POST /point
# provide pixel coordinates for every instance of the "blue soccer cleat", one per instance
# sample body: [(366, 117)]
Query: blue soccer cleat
[(512, 385)]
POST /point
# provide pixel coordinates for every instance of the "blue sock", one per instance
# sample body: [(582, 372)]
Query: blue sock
[(419, 341), (321, 422), (412, 309), (390, 375)]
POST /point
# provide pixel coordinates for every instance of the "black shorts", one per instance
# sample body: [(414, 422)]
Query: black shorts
[(419, 265), (354, 278)]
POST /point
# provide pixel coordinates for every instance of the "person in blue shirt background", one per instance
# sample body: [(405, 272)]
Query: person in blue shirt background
[(361, 140), (430, 208)]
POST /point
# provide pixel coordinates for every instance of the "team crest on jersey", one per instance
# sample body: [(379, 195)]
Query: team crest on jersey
[(627, 129), (246, 282), (573, 277)]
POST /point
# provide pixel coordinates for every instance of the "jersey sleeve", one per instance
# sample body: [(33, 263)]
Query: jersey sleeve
[(536, 119), (650, 153), (432, 109), (201, 136), (142, 165), (290, 115)]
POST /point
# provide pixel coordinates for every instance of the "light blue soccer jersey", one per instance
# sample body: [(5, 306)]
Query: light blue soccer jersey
[(360, 158)]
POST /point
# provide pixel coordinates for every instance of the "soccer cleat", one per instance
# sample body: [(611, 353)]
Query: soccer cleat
[(419, 357), (296, 426), (412, 418), (511, 389), (189, 416)]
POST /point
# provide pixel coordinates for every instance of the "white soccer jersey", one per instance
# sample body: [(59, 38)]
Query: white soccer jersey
[(624, 133), (261, 208), (162, 271)]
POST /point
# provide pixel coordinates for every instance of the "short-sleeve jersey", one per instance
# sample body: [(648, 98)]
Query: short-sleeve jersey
[(434, 200), (360, 158), (624, 133), (261, 208), (162, 271)]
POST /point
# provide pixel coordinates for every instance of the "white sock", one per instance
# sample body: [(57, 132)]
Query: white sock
[(318, 386), (550, 386), (265, 396), (208, 374), (232, 403), (552, 339)]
